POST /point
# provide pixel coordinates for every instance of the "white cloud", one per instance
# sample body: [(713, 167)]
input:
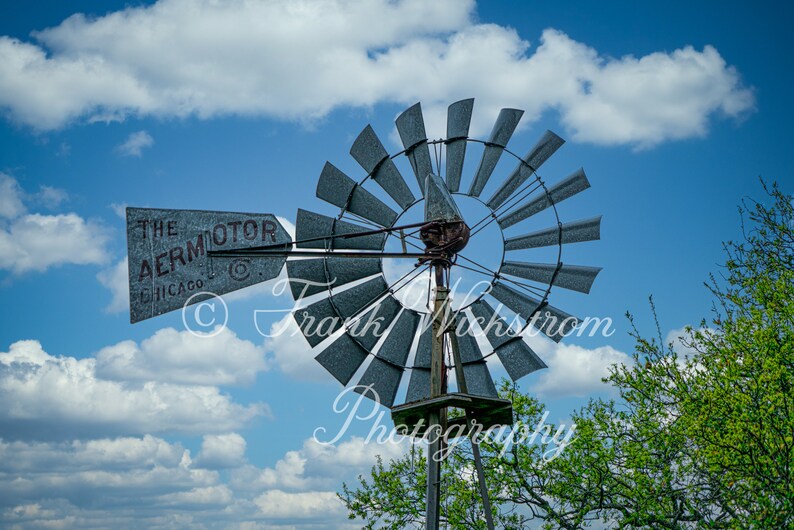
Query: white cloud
[(220, 451), (316, 466), (573, 370), (148, 481), (51, 197), (182, 357), (45, 395), (36, 242), (116, 280), (300, 61), (135, 144), (304, 505), (10, 197), (291, 353)]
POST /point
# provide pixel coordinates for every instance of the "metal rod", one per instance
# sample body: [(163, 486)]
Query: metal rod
[(252, 253), (475, 447)]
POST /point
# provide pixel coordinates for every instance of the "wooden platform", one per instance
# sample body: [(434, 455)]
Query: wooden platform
[(488, 412)]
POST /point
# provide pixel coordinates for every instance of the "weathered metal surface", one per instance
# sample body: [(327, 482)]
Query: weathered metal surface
[(515, 354), (411, 127), (564, 189), (168, 263), (503, 129), (369, 152), (310, 225), (574, 232), (574, 277), (546, 146), (458, 122), (340, 190), (385, 370), (478, 379), (553, 322), (418, 385), (312, 276), (372, 325), (321, 319), (342, 358), (439, 205)]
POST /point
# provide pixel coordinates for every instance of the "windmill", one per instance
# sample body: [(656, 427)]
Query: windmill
[(337, 262)]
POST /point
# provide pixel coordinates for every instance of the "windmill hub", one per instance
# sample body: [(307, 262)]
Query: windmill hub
[(445, 237)]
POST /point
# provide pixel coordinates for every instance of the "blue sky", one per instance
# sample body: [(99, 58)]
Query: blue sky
[(673, 110)]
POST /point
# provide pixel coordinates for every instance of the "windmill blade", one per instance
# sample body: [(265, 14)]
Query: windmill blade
[(411, 126), (311, 276), (458, 121), (574, 277), (342, 358), (574, 232), (564, 189), (370, 327), (340, 190), (475, 369), (515, 354), (385, 371), (503, 129), (310, 225), (369, 152), (554, 323), (546, 146), (321, 319), (419, 384)]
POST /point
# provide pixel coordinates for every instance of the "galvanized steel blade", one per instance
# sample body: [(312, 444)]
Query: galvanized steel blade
[(503, 129), (342, 358), (340, 190), (324, 317), (418, 385), (458, 121), (168, 264), (383, 374), (372, 324), (310, 225), (478, 380), (573, 232), (311, 276), (439, 205), (574, 277), (546, 146), (553, 322), (515, 354), (566, 188), (369, 152), (411, 126)]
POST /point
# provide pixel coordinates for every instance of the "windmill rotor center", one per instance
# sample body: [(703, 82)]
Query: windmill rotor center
[(445, 238)]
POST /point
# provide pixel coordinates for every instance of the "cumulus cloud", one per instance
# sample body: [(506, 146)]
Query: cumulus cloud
[(220, 451), (185, 358), (36, 242), (10, 197), (115, 279), (135, 144), (300, 61), (573, 370), (148, 481), (290, 351), (47, 396)]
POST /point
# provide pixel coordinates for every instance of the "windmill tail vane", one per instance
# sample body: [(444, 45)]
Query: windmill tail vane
[(336, 262)]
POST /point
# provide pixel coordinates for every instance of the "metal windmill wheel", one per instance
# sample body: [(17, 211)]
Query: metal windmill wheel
[(376, 357), (365, 222)]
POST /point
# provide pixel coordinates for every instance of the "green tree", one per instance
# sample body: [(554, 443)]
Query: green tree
[(700, 440)]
